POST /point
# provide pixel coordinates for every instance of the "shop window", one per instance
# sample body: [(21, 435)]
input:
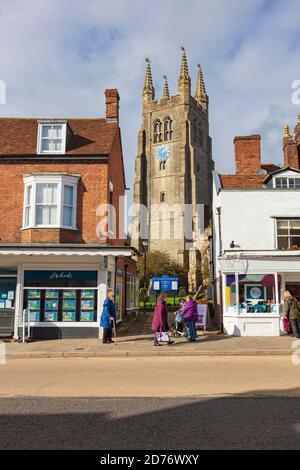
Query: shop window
[(50, 201), (288, 234), (254, 294), (61, 296), (7, 293)]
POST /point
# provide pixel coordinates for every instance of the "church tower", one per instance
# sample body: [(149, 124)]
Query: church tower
[(173, 172)]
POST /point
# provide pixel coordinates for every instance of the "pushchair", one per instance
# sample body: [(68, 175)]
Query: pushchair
[(178, 325)]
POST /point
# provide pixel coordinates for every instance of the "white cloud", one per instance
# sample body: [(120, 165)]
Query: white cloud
[(58, 56)]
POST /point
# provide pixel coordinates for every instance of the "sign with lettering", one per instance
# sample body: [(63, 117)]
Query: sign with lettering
[(165, 284), (60, 278)]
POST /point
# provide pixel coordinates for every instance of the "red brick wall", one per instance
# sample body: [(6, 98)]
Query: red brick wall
[(247, 154), (92, 191), (291, 155)]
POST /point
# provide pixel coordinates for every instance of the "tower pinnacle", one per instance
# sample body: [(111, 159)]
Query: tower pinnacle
[(200, 93), (148, 90), (166, 93), (184, 81)]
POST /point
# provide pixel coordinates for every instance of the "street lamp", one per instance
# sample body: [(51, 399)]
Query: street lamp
[(145, 247)]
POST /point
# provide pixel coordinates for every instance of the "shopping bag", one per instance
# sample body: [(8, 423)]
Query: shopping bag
[(162, 337), (286, 325)]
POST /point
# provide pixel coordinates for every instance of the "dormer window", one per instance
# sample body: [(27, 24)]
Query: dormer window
[(52, 137), (287, 183)]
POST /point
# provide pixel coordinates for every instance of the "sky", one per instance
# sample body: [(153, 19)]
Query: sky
[(58, 56)]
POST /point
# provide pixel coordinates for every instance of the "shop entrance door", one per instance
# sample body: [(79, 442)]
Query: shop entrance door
[(7, 305), (294, 288)]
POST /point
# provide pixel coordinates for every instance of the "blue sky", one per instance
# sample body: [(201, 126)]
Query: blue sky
[(58, 56)]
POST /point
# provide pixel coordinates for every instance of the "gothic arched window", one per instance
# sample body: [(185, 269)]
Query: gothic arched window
[(157, 131), (168, 128), (162, 165)]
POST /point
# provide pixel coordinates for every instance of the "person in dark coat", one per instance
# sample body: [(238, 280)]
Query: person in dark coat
[(292, 311), (190, 316), (160, 318), (108, 316)]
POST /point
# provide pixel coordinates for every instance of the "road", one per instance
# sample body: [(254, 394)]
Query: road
[(150, 403)]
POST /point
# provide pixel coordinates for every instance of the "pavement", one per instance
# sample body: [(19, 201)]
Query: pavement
[(135, 339)]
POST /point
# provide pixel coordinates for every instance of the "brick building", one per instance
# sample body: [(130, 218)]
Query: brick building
[(256, 226), (61, 246)]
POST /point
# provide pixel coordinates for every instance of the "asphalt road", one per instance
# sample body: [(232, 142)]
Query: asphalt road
[(150, 423)]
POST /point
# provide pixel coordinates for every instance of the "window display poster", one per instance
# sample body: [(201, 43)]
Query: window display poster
[(69, 304), (34, 294), (87, 305), (255, 292), (87, 316), (51, 294), (2, 304), (69, 294), (51, 305), (34, 304), (69, 316), (8, 304), (11, 295), (202, 315), (50, 316), (87, 294), (34, 316)]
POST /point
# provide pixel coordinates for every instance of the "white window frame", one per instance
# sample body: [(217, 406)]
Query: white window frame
[(61, 181), (283, 219), (288, 178), (63, 126)]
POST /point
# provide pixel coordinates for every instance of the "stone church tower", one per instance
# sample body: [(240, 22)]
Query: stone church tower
[(173, 172)]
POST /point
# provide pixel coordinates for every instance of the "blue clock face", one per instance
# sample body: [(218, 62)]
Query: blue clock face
[(163, 153)]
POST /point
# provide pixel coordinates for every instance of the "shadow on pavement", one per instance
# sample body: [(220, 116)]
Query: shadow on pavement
[(202, 423)]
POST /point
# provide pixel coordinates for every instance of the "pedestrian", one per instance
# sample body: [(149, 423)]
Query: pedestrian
[(179, 321), (160, 319), (108, 317), (292, 311), (190, 315)]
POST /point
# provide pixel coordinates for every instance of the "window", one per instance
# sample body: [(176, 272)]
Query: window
[(200, 135), (157, 131), (162, 165), (287, 183), (168, 131), (288, 234), (52, 138), (50, 201), (162, 197)]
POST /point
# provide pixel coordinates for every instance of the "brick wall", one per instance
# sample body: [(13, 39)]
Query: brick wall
[(92, 191), (247, 154), (291, 155)]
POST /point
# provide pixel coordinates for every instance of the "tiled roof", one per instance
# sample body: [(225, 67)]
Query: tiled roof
[(242, 181), (270, 167), (18, 136)]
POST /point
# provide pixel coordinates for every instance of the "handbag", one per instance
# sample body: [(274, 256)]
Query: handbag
[(286, 325), (162, 337)]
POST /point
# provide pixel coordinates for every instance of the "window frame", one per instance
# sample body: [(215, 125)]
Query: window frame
[(287, 178), (288, 236), (61, 181), (168, 129), (63, 126)]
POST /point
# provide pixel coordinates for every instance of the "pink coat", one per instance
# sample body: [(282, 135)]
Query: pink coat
[(160, 317)]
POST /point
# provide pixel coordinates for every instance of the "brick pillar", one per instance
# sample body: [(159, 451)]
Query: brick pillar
[(112, 105), (247, 154)]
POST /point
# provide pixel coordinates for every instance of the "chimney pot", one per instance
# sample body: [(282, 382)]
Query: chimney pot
[(112, 104)]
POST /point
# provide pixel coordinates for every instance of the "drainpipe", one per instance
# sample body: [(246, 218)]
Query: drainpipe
[(218, 209)]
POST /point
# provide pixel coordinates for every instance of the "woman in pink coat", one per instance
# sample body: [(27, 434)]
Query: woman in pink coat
[(160, 318)]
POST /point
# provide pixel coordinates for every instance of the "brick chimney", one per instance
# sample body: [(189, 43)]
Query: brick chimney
[(247, 154), (290, 148), (112, 104)]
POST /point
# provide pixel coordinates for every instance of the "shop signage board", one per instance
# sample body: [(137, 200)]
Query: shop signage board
[(202, 315), (165, 283), (59, 276)]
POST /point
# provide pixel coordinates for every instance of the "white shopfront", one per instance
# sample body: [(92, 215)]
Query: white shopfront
[(252, 285), (64, 289)]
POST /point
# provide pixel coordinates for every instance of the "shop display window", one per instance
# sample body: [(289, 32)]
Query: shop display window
[(7, 293), (256, 293)]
